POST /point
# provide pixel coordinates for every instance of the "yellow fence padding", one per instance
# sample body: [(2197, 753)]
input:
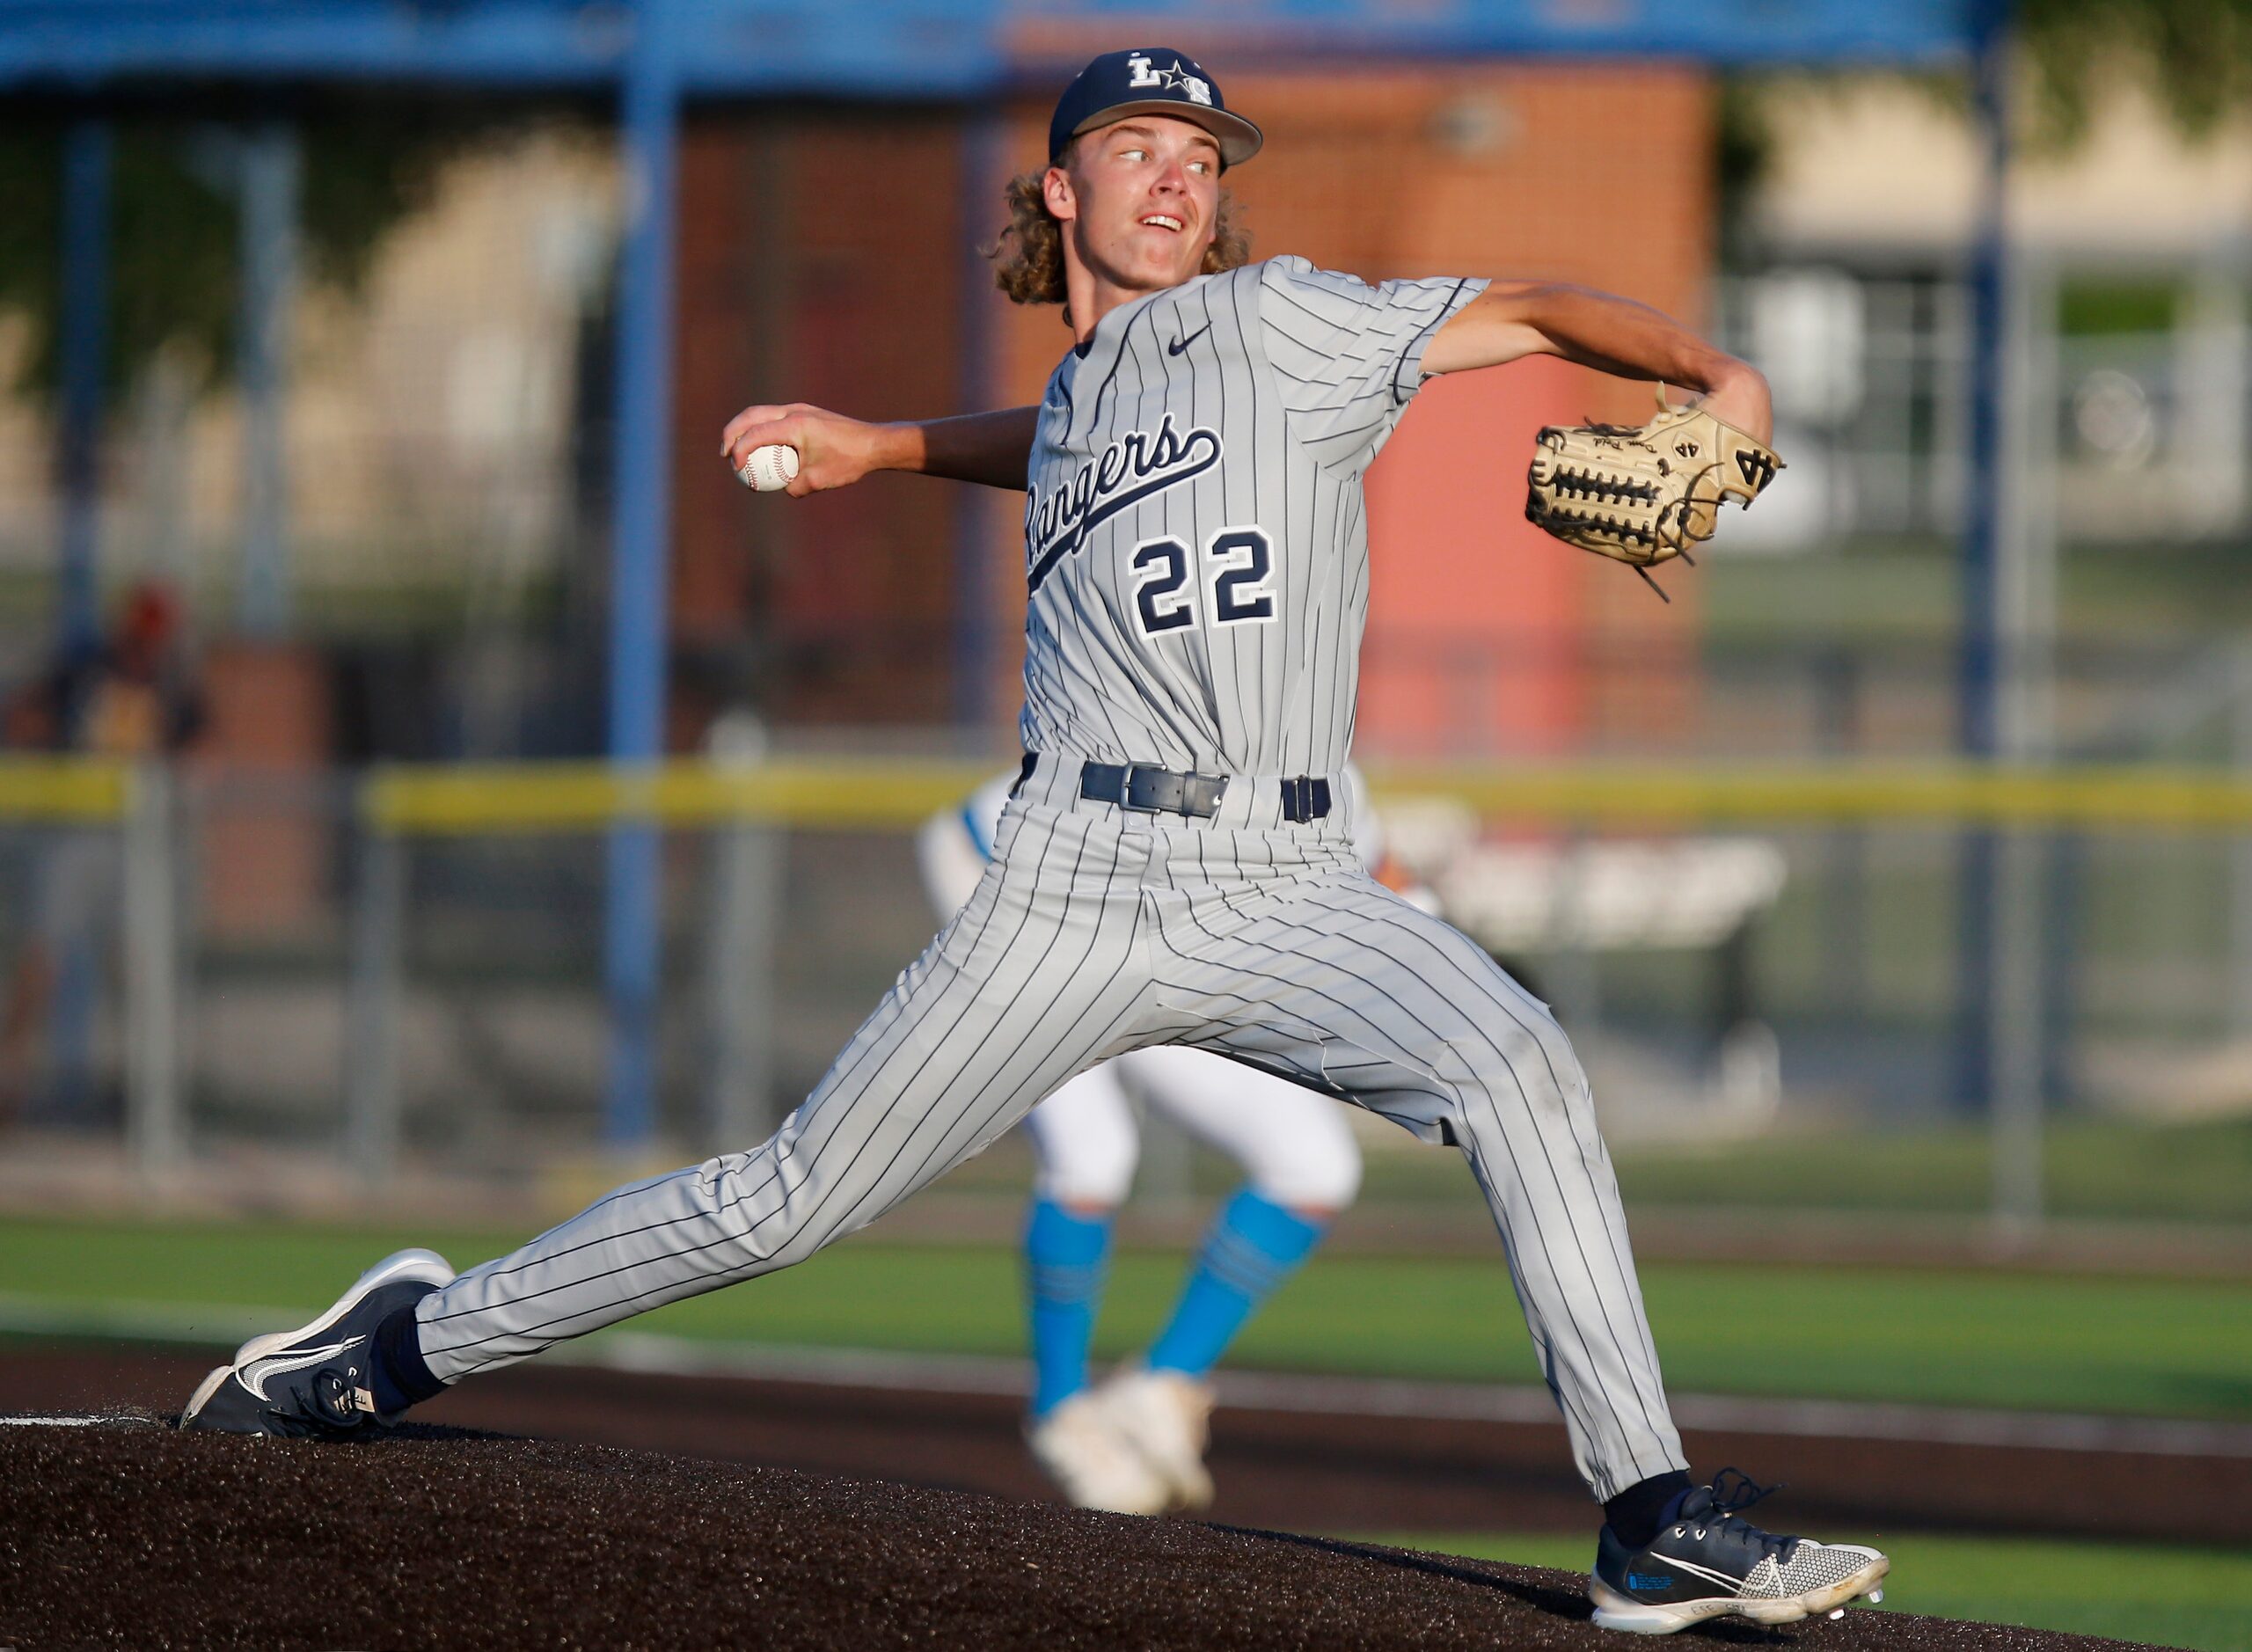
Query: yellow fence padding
[(878, 792), (64, 791)]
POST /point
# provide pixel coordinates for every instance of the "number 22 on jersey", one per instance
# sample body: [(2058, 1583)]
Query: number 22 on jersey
[(1237, 562)]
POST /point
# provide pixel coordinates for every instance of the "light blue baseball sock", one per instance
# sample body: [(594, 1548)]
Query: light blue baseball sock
[(1065, 1258), (1252, 1248)]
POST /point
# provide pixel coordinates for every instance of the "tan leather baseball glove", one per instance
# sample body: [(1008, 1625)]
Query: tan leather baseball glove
[(1643, 495)]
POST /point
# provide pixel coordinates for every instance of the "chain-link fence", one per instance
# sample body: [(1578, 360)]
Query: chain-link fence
[(1740, 953)]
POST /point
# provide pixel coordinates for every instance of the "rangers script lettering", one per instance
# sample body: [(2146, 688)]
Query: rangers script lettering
[(1058, 522)]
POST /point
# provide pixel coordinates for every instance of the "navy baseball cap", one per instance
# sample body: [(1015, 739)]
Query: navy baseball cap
[(1155, 80)]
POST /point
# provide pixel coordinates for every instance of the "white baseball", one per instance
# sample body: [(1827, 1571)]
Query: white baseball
[(769, 469)]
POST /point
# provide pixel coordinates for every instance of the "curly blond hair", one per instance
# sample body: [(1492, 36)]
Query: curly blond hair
[(1028, 253)]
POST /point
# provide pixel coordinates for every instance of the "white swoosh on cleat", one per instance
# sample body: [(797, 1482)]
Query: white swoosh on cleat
[(253, 1375)]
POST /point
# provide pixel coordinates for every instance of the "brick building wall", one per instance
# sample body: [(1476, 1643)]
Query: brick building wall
[(820, 261)]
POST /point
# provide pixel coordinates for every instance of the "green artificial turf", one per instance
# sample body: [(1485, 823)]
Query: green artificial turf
[(2161, 1594), (2180, 1173), (1984, 1337), (2094, 1170)]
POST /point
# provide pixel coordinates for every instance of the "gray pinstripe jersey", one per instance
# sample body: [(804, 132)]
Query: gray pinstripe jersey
[(1195, 543)]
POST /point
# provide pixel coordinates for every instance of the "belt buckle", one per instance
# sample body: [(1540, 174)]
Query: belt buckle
[(1151, 791)]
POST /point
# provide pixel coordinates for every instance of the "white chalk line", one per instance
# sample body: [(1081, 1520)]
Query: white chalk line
[(55, 1422), (120, 1420), (1266, 1391)]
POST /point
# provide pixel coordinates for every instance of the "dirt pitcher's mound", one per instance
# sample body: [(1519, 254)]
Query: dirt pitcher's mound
[(137, 1536)]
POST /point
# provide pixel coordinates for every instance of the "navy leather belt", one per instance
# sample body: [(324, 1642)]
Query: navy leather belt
[(1162, 791), (1152, 790)]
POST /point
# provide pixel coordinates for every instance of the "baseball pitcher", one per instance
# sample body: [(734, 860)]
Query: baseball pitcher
[(1175, 864)]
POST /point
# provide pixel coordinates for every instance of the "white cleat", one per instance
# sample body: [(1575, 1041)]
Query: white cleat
[(1081, 1452), (1165, 1417)]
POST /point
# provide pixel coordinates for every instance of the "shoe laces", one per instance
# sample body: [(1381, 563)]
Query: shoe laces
[(1731, 1494), (326, 1404)]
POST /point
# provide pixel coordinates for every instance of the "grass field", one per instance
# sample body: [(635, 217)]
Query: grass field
[(1986, 1338), (2101, 1169), (2170, 1175), (2165, 1596), (2107, 1170)]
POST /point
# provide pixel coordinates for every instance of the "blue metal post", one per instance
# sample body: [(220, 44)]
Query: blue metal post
[(270, 169), (642, 490), (1979, 720), (88, 153), (1979, 723)]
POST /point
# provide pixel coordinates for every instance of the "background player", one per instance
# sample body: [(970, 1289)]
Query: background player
[(1136, 1445), (131, 696), (1175, 864)]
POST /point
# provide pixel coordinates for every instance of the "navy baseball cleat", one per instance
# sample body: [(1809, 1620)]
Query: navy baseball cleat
[(1708, 1561), (312, 1382)]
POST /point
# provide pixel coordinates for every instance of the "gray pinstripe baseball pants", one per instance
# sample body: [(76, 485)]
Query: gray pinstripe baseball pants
[(1093, 932)]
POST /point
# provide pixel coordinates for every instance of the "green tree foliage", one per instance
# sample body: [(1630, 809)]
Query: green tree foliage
[(2194, 55), (174, 275)]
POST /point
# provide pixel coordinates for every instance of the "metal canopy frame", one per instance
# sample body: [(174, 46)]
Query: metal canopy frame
[(924, 47), (655, 55)]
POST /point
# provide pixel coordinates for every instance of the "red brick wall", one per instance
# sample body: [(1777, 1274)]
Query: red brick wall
[(725, 354), (264, 842), (820, 261)]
